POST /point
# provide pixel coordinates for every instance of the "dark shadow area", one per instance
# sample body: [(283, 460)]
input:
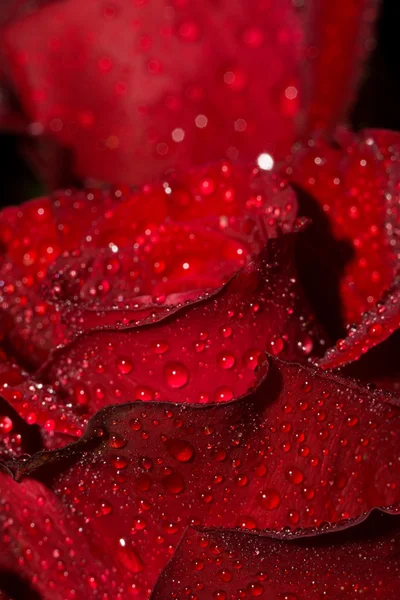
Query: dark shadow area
[(16, 588), (378, 525), (380, 365), (320, 261), (379, 97), (17, 181)]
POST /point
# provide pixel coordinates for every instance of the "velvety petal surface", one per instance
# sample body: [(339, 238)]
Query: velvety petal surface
[(189, 232), (376, 326), (183, 83), (351, 191), (304, 449), (204, 352), (79, 250), (42, 544), (222, 564), (37, 403)]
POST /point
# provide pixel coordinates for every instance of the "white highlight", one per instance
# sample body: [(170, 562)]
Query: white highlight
[(265, 161)]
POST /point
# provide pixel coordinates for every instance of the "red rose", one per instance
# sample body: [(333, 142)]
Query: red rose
[(180, 82), (170, 424), (151, 312)]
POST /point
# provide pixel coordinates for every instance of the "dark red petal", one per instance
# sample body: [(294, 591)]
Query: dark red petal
[(41, 542), (204, 352), (356, 189), (16, 437), (301, 450), (31, 238), (218, 192), (376, 326), (11, 117), (171, 259), (143, 88), (331, 64), (225, 215), (222, 564), (37, 403)]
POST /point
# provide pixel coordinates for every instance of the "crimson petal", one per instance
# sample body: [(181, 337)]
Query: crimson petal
[(16, 436), (182, 87), (302, 450), (31, 238), (42, 543), (37, 403), (204, 352), (190, 232), (221, 564), (376, 326), (356, 188), (331, 64)]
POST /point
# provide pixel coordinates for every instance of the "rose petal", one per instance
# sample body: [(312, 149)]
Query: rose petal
[(204, 352), (31, 238), (218, 192), (182, 87), (301, 450), (353, 199), (376, 326), (226, 213), (16, 437), (221, 564), (174, 258), (331, 83), (42, 543), (37, 403)]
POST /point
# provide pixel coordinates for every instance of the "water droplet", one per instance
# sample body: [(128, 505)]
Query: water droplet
[(160, 347), (223, 394), (255, 589), (277, 346), (81, 394), (198, 564), (225, 575), (117, 441), (180, 450), (226, 360), (120, 462), (246, 522), (251, 358), (124, 365), (176, 375), (6, 424), (351, 421), (270, 499), (375, 330), (103, 508), (226, 331), (135, 425), (139, 524), (144, 393), (295, 476)]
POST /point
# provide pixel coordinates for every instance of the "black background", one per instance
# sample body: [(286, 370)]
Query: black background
[(378, 105)]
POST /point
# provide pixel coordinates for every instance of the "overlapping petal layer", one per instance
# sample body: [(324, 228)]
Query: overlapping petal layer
[(302, 450), (213, 563), (352, 193)]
